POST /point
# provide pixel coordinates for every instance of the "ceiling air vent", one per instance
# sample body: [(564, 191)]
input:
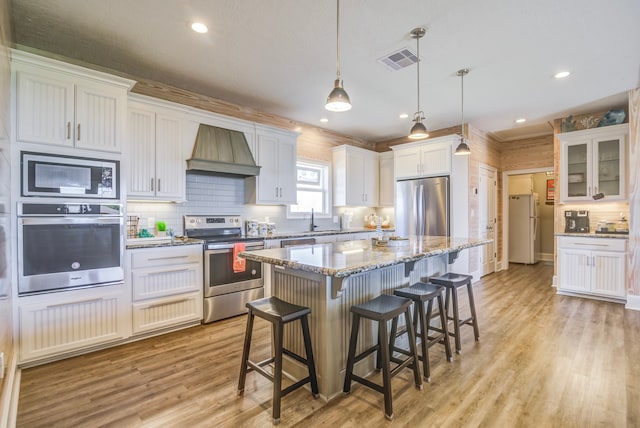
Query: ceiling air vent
[(399, 59)]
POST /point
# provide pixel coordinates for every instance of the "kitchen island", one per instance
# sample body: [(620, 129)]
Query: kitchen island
[(330, 278)]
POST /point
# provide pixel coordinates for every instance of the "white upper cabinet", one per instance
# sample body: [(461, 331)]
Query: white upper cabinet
[(276, 154), (386, 180), (593, 164), (64, 105), (156, 164), (355, 177), (424, 159)]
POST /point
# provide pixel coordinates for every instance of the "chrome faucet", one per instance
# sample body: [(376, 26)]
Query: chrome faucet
[(312, 227)]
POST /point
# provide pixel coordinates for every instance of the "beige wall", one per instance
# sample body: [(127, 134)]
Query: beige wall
[(6, 329), (633, 264)]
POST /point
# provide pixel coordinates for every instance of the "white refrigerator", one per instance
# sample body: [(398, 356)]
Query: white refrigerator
[(524, 229)]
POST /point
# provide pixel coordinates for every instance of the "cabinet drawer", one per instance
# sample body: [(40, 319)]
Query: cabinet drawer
[(168, 312), (168, 256), (595, 244), (150, 284)]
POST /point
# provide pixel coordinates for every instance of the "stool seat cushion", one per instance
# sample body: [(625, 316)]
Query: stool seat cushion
[(420, 291), (274, 310), (383, 307), (451, 279)]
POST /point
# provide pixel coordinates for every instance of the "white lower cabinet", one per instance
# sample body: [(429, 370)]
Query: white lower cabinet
[(59, 323), (592, 266), (166, 285)]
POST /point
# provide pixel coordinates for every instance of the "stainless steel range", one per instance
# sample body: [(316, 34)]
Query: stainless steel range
[(226, 291)]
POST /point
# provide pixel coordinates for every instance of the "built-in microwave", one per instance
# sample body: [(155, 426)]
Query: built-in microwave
[(69, 176)]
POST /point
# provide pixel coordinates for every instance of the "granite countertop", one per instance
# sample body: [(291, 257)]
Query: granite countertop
[(285, 235), (596, 235), (155, 242), (342, 259)]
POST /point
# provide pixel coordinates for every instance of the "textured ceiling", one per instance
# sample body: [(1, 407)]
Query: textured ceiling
[(278, 56)]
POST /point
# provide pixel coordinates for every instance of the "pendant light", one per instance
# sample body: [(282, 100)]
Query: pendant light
[(338, 100), (418, 130), (463, 147)]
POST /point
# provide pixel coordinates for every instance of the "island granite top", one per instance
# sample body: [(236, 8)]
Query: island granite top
[(342, 259)]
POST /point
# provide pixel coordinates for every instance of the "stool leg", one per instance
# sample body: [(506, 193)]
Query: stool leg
[(456, 319), (443, 322), (472, 306), (310, 362), (424, 338), (355, 326), (412, 348), (277, 370), (386, 375), (392, 336), (245, 352)]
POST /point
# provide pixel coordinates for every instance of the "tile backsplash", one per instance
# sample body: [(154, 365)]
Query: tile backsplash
[(209, 194), (600, 212)]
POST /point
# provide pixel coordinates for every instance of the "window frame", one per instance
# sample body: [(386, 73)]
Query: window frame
[(326, 189)]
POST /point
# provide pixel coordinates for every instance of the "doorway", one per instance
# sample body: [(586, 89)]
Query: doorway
[(539, 181)]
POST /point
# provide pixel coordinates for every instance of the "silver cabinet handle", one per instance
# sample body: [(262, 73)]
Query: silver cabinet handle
[(158, 305), (78, 133), (158, 184), (74, 303), (152, 184), (68, 130)]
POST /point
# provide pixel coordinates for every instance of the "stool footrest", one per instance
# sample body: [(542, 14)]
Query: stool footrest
[(258, 369), (295, 356), (367, 382), (295, 386)]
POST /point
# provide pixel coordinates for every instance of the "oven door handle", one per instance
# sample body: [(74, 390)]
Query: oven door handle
[(224, 248), (26, 221)]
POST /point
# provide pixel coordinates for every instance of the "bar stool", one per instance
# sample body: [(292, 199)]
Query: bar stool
[(382, 309), (421, 293), (278, 313), (453, 281)]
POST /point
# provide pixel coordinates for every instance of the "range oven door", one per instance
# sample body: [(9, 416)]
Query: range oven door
[(58, 253), (219, 277)]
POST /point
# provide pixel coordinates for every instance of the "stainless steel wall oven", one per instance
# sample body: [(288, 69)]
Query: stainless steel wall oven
[(226, 291), (66, 246)]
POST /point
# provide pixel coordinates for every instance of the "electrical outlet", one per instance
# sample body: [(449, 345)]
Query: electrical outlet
[(1, 365)]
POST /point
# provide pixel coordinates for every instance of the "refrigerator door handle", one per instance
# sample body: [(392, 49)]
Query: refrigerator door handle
[(420, 210)]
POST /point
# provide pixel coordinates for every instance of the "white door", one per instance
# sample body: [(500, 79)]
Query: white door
[(487, 209)]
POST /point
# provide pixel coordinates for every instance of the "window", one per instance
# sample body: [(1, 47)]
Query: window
[(312, 182)]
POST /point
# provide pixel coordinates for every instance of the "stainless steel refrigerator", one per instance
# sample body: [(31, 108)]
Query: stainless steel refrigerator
[(422, 207), (524, 230)]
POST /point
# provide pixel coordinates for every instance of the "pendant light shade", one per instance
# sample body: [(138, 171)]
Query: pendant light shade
[(418, 130), (463, 147), (338, 99)]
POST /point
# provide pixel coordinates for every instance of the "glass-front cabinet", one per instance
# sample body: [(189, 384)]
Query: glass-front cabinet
[(593, 164)]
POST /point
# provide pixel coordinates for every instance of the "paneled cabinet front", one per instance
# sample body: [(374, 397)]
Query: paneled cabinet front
[(166, 287), (59, 323), (276, 154), (355, 177), (593, 266), (63, 109), (593, 164), (156, 164), (425, 159)]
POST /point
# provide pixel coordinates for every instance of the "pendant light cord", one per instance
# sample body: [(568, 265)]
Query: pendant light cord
[(462, 103), (418, 64), (338, 40)]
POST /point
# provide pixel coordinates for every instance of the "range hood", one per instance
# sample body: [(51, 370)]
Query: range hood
[(223, 152)]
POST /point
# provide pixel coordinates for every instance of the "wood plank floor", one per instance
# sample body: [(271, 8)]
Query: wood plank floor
[(543, 360)]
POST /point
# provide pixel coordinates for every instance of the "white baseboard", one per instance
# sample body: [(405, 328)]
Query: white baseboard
[(633, 302), (545, 257), (10, 394), (554, 282)]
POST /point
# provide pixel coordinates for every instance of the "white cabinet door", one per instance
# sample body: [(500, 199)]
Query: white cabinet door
[(436, 159), (72, 321), (355, 192), (574, 270), (142, 147), (386, 182), (170, 167), (99, 117), (407, 162), (277, 156), (166, 312), (44, 109), (608, 273), (425, 159), (370, 180)]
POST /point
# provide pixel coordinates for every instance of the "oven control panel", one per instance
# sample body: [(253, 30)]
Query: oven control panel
[(212, 221)]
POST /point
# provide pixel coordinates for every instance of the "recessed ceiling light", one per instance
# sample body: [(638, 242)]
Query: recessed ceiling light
[(521, 120), (324, 119), (199, 27), (562, 74), (403, 115)]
